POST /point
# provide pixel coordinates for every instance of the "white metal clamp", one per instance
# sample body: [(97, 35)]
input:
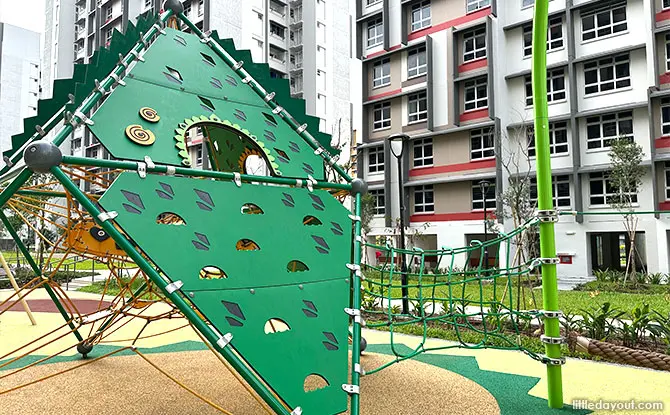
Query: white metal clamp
[(552, 340), (105, 216), (173, 286), (355, 313), (238, 65), (117, 80), (150, 163), (269, 97), (142, 170), (224, 340), (351, 389), (278, 109), (137, 55), (237, 178), (301, 129)]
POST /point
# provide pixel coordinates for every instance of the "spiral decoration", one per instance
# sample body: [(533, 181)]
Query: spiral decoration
[(149, 114), (139, 135)]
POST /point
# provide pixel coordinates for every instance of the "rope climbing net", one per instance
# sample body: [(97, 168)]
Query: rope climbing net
[(480, 306)]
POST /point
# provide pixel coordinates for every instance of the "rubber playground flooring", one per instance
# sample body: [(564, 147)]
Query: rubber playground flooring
[(454, 381)]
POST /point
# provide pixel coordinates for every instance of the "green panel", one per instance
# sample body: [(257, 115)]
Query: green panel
[(315, 344), (259, 285), (287, 152), (200, 69)]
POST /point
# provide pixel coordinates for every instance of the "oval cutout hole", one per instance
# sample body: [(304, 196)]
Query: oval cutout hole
[(315, 382), (276, 325), (310, 220), (170, 218), (252, 209), (296, 266), (212, 273), (247, 245)]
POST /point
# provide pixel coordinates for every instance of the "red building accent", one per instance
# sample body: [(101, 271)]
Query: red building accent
[(664, 78), (384, 94), (446, 217), (473, 165), (433, 29), (662, 142), (664, 15), (474, 115), (471, 66), (450, 23), (664, 206)]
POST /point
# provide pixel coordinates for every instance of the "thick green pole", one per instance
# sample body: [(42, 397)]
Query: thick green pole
[(132, 165), (212, 337), (545, 199), (38, 273), (356, 284)]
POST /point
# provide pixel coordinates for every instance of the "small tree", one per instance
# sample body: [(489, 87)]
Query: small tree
[(626, 178)]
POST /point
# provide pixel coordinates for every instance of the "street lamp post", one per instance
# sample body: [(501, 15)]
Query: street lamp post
[(484, 186), (397, 142)]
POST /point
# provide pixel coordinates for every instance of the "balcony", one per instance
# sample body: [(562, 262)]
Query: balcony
[(296, 16), (279, 10), (296, 85), (296, 39)]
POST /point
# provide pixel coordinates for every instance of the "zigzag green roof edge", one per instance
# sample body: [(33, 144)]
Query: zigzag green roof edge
[(82, 82), (104, 60)]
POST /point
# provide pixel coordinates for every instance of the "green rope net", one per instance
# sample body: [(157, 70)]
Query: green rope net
[(484, 307)]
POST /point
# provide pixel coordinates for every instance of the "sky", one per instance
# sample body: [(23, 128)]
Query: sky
[(28, 14)]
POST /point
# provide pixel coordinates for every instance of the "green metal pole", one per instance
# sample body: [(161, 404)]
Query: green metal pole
[(545, 199), (212, 337), (356, 285), (131, 165), (38, 273)]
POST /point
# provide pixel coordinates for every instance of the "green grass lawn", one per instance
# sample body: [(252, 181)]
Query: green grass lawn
[(113, 287), (86, 265), (569, 301)]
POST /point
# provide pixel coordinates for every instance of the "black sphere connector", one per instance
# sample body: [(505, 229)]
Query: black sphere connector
[(364, 344), (359, 186), (174, 5), (41, 156), (84, 349)]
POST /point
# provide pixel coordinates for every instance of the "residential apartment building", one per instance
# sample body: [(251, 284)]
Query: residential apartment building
[(19, 79), (455, 76), (306, 42)]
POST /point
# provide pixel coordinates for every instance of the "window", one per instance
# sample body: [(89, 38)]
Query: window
[(423, 152), (666, 4), (604, 22), (554, 36), (478, 196), (667, 51), (667, 180), (607, 74), (375, 33), (476, 92), (424, 201), (147, 4), (420, 15), (555, 86), (417, 107), (379, 201), (665, 116), (381, 73), (376, 159), (561, 190), (201, 7), (108, 13), (416, 62), (558, 139), (474, 5), (527, 3), (602, 129), (603, 192), (381, 116), (198, 156), (371, 2), (482, 144), (474, 44), (108, 35), (277, 30)]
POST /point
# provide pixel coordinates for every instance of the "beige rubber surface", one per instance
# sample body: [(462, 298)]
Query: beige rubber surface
[(129, 385)]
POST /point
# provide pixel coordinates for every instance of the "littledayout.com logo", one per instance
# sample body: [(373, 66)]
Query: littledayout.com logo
[(614, 406)]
